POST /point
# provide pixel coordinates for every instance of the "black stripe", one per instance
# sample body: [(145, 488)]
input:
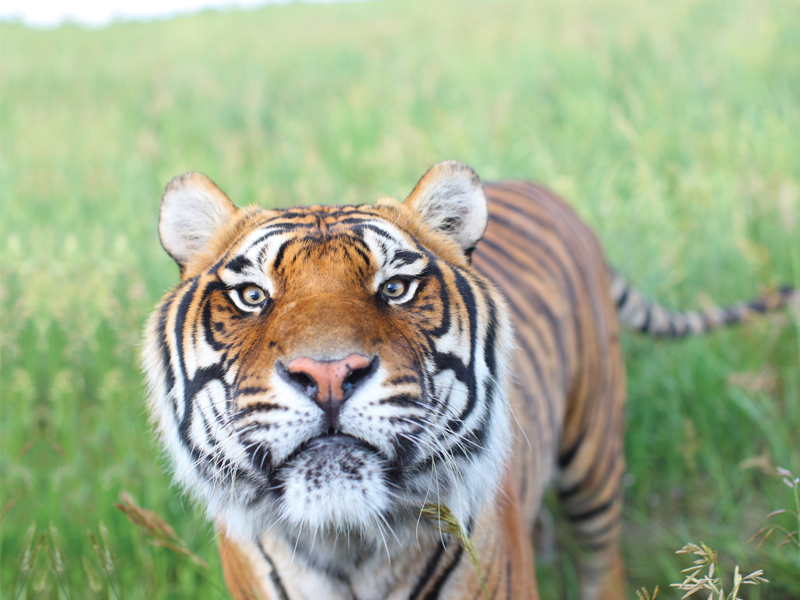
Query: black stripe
[(401, 400), (359, 229), (565, 495), (673, 330), (566, 457), (593, 512), (623, 298), (406, 257), (430, 569), (467, 373), (273, 575), (467, 444), (257, 407), (219, 417), (557, 210), (507, 279), (596, 546), (533, 357), (180, 322), (365, 255), (648, 315), (730, 317), (604, 530), (534, 299), (276, 229), (509, 569), (205, 318), (758, 305), (491, 335), (403, 379), (250, 391), (260, 458), (166, 360), (406, 447), (437, 587), (239, 264), (533, 193), (444, 293), (547, 250), (279, 255)]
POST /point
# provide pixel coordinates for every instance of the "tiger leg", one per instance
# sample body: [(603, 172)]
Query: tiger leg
[(594, 509), (590, 490)]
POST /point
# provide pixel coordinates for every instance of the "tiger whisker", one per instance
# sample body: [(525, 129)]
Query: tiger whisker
[(296, 543), (443, 428), (440, 449), (385, 545)]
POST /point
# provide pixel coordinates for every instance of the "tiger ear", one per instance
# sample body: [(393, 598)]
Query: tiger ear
[(192, 209), (450, 199)]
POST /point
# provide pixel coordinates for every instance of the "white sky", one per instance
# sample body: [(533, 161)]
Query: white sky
[(96, 13)]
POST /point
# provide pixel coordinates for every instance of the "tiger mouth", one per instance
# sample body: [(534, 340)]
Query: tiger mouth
[(327, 444), (333, 441)]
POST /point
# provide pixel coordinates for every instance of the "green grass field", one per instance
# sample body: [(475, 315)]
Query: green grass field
[(673, 128)]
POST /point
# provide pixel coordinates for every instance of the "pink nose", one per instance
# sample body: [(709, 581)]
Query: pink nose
[(333, 379)]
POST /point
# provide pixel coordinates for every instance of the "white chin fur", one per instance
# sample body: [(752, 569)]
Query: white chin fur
[(336, 487), (331, 486)]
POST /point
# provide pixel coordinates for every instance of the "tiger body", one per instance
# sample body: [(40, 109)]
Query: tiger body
[(568, 390), (322, 374)]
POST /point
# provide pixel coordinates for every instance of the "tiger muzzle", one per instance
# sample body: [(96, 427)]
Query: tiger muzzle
[(329, 383)]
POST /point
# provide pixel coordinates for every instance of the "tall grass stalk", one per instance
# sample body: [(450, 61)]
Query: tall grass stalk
[(106, 557), (791, 537), (29, 552)]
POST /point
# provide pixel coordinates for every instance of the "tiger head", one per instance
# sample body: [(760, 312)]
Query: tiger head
[(330, 368)]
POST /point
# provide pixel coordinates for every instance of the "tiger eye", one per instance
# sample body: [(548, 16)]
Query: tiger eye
[(394, 288), (253, 295)]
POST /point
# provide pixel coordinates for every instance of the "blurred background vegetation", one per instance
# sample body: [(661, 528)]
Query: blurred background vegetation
[(673, 128)]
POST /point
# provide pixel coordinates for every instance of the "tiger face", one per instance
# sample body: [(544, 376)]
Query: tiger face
[(330, 369)]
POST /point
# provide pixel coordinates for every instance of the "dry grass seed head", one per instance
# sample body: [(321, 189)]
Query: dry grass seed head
[(643, 594), (441, 518), (707, 559), (91, 576), (159, 531)]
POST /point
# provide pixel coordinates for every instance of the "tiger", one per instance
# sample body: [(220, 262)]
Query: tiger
[(322, 374)]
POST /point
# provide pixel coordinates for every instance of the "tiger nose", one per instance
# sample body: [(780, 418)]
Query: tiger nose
[(330, 382)]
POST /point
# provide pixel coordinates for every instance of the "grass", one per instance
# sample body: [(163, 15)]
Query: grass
[(673, 129)]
